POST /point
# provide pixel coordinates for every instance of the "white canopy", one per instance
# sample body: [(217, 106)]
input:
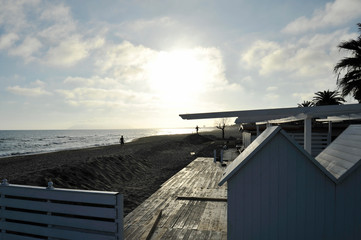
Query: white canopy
[(281, 115)]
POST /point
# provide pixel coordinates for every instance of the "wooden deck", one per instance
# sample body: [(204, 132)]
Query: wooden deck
[(190, 205)]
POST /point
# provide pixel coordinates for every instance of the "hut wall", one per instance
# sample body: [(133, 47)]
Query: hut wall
[(280, 194), (348, 207)]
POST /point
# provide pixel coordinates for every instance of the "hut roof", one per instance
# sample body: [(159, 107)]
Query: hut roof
[(343, 155), (337, 161), (257, 145)]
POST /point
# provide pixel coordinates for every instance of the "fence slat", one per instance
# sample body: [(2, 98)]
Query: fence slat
[(59, 208), (32, 210), (9, 236), (53, 232), (91, 197), (61, 221)]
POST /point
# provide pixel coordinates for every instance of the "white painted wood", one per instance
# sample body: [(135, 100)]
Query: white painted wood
[(59, 208), (9, 236), (329, 135), (54, 232), (84, 214), (60, 221), (343, 153), (92, 197), (249, 152), (308, 135), (260, 115), (119, 218)]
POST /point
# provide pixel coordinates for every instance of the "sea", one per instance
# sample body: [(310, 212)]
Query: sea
[(25, 142)]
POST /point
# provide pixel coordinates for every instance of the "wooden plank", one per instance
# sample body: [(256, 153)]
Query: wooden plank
[(9, 236), (198, 198), (53, 232), (71, 195), (59, 208), (180, 218), (152, 226), (61, 221)]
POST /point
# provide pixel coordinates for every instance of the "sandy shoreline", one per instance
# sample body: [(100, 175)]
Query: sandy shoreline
[(136, 169)]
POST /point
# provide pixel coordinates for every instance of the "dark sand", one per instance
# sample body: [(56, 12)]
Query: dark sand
[(136, 169)]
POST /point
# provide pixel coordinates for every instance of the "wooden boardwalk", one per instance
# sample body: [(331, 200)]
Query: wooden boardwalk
[(190, 205)]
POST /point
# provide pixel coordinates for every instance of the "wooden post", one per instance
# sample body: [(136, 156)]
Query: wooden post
[(4, 183), (49, 187), (307, 141), (329, 135), (215, 155), (119, 219)]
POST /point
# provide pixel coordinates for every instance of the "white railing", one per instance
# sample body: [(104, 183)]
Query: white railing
[(30, 213), (319, 141)]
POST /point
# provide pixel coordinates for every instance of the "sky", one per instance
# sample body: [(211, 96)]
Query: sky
[(140, 63)]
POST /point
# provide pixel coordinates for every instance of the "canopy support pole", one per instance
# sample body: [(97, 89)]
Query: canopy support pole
[(307, 144), (329, 136)]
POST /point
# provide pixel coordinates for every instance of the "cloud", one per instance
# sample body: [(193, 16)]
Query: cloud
[(27, 48), (92, 81), (67, 53), (95, 98), (334, 14), (310, 56), (138, 75), (36, 91), (8, 40), (12, 15), (46, 33)]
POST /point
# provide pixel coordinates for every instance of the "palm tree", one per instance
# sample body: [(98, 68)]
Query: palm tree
[(327, 98), (306, 104), (350, 83)]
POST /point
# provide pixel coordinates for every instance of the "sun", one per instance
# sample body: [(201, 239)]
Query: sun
[(177, 74)]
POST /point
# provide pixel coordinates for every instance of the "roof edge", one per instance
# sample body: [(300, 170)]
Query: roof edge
[(311, 158), (249, 155)]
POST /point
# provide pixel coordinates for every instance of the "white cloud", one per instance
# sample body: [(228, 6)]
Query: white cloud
[(310, 56), (56, 13), (124, 58), (105, 98), (8, 40), (302, 96), (27, 49), (12, 15), (92, 81), (162, 79), (67, 53), (45, 32), (38, 90), (334, 14), (271, 89)]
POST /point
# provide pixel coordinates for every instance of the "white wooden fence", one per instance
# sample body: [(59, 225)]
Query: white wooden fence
[(319, 141), (30, 213)]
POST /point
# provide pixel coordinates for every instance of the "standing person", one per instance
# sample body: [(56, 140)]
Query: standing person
[(197, 128), (121, 140)]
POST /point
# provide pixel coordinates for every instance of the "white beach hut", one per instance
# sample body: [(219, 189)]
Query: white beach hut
[(276, 190)]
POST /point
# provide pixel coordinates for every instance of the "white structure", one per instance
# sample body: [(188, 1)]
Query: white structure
[(30, 213), (281, 115), (276, 190)]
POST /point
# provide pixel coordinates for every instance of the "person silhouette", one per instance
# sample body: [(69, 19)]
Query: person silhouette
[(121, 140), (197, 128)]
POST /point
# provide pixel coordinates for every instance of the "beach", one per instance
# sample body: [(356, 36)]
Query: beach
[(135, 169)]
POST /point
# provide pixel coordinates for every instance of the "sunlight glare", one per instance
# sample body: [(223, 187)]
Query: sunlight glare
[(177, 74)]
